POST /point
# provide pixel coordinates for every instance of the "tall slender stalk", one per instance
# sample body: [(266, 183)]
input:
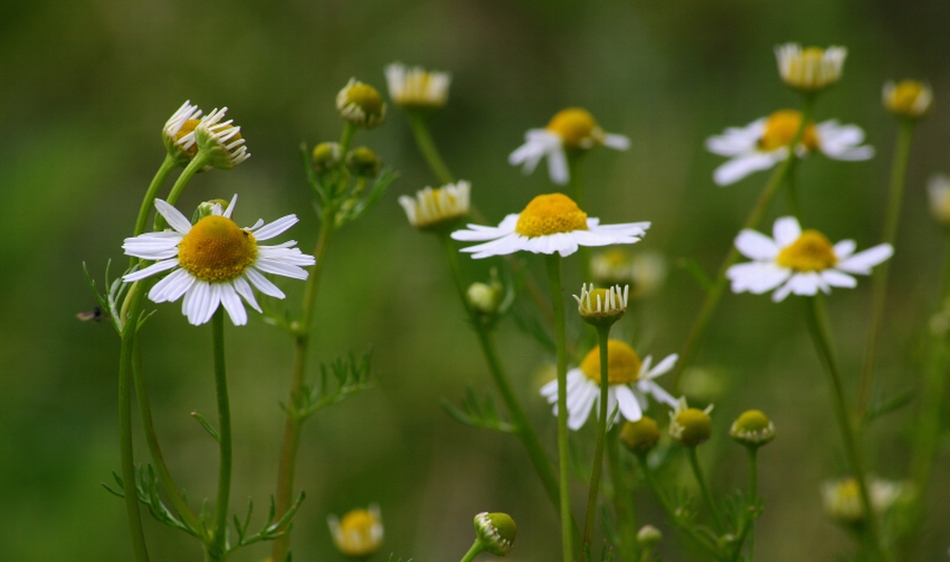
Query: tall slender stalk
[(879, 292), (167, 166), (624, 509), (755, 217), (704, 488), (553, 264), (602, 335), (753, 498), (218, 549), (821, 334), (420, 130), (197, 163)]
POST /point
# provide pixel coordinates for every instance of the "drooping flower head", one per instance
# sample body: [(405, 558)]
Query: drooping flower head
[(359, 533), (550, 223), (811, 69), (215, 262), (799, 262), (432, 209), (764, 143), (361, 104), (496, 532), (630, 381), (908, 99), (220, 141), (572, 129), (176, 134), (417, 88)]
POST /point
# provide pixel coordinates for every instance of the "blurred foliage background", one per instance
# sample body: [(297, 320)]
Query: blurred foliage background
[(85, 87)]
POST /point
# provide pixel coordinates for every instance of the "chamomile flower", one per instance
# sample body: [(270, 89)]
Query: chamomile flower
[(432, 209), (176, 133), (215, 262), (550, 223), (361, 104), (799, 262), (572, 129), (359, 534), (629, 383), (220, 140), (764, 143), (416, 87), (810, 69), (909, 99)]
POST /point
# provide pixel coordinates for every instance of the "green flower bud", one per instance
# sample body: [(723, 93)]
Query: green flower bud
[(326, 156), (602, 307), (484, 298), (640, 436), (220, 142), (690, 426), (496, 532), (753, 429), (363, 162), (909, 99), (648, 537), (205, 209), (361, 104)]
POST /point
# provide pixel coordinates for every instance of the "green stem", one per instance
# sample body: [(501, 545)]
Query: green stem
[(155, 451), (752, 221), (624, 508), (125, 426), (428, 149), (753, 498), (149, 200), (879, 292), (701, 480), (602, 335), (197, 163), (220, 529), (791, 189), (672, 512), (293, 422), (553, 263), (476, 549), (821, 334), (346, 139), (526, 433)]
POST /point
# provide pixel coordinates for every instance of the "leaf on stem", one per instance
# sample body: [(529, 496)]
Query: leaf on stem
[(207, 425), (478, 413)]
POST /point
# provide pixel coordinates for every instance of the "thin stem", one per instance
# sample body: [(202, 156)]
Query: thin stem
[(420, 130), (149, 200), (220, 529), (553, 263), (753, 220), (293, 422), (821, 334), (155, 451), (602, 335), (701, 480), (879, 293), (197, 163), (525, 430), (672, 511), (753, 499), (791, 189), (624, 508), (477, 548), (125, 427)]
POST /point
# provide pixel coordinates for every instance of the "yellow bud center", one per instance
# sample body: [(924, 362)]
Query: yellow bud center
[(187, 127), (216, 249), (366, 97), (623, 364), (576, 127), (550, 214), (905, 98), (360, 533), (811, 252), (780, 129)]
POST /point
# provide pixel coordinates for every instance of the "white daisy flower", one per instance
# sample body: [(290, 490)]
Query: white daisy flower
[(550, 223), (764, 143), (799, 262), (215, 262), (938, 193), (417, 87), (177, 131), (811, 69), (629, 383), (220, 140), (434, 208), (570, 129)]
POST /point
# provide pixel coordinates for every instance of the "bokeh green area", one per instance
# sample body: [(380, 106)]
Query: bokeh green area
[(85, 87)]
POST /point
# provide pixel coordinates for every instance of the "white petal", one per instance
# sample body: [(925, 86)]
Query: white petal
[(663, 366), (837, 279), (477, 232), (737, 140), (505, 245), (756, 277), (616, 142), (557, 165), (227, 212), (280, 268), (153, 245), (581, 411), (786, 230), (862, 262), (629, 406), (744, 164), (844, 249), (151, 270), (275, 228), (174, 217), (262, 283), (756, 245), (782, 292), (244, 289), (658, 393), (172, 287), (232, 303), (805, 284), (198, 304)]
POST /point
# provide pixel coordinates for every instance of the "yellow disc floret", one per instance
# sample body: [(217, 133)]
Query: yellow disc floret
[(623, 364), (217, 250), (576, 127), (811, 252), (780, 129), (550, 214)]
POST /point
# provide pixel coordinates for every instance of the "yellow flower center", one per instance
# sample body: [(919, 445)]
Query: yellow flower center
[(366, 97), (811, 252), (780, 129), (576, 127), (905, 98), (216, 249), (359, 533), (623, 364), (550, 214), (187, 127)]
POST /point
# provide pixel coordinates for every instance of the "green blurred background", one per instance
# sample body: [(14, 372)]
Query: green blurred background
[(85, 87)]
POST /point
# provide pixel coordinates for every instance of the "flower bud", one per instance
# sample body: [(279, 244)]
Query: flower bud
[(484, 298), (436, 209), (648, 537), (363, 162), (909, 99), (207, 208), (361, 104), (417, 89), (359, 534), (177, 134), (220, 142), (496, 532), (326, 156), (690, 426), (602, 307), (811, 69), (640, 436), (753, 429)]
